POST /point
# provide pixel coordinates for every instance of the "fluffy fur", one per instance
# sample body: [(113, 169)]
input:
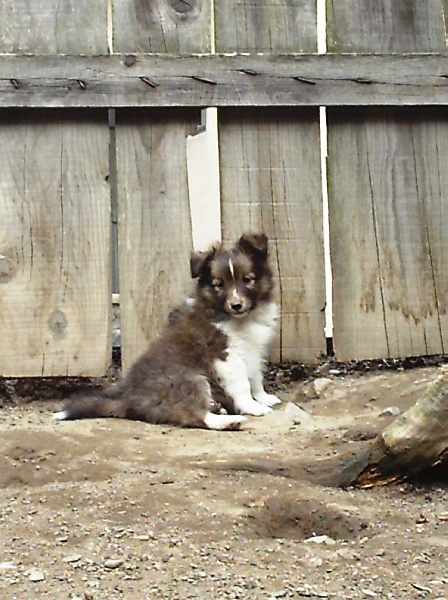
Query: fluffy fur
[(210, 352)]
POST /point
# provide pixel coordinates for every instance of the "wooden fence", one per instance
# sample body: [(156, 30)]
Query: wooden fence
[(384, 81)]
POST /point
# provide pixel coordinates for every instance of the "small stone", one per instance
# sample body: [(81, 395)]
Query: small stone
[(113, 563), (324, 369), (72, 559), (348, 554), (7, 566), (390, 411), (422, 588), (35, 575), (296, 414), (321, 385), (320, 539)]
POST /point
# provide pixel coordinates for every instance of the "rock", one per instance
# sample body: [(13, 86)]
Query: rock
[(315, 388), (320, 539), (390, 411), (113, 563), (324, 369), (315, 561), (348, 554), (321, 385), (35, 575), (296, 414), (7, 566), (72, 559)]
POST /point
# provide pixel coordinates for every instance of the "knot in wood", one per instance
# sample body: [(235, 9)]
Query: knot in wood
[(130, 60), (181, 6), (57, 322), (6, 269)]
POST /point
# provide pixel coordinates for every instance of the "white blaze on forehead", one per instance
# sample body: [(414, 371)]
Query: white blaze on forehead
[(231, 269)]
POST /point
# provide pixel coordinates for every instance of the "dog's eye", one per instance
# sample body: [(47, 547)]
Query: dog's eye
[(218, 284), (248, 279)]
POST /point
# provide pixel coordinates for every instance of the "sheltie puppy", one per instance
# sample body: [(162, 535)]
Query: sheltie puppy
[(210, 353)]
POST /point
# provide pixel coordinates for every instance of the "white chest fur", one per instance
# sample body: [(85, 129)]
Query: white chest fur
[(248, 344), (250, 337)]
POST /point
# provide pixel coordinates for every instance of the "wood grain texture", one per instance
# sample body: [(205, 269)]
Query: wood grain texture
[(54, 245), (270, 178), (270, 169), (385, 26), (154, 221), (55, 306), (445, 14), (51, 26), (223, 80), (387, 217), (266, 26), (154, 216), (385, 199), (172, 26)]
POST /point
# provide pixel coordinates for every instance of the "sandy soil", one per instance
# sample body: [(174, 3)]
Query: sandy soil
[(115, 509)]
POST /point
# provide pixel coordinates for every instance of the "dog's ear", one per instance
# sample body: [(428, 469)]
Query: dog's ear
[(198, 260), (254, 244)]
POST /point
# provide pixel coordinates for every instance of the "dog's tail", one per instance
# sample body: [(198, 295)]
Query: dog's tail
[(92, 407)]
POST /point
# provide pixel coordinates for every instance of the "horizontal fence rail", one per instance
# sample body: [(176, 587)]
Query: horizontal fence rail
[(203, 80)]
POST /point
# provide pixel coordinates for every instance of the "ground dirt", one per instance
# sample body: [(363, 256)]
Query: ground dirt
[(117, 509)]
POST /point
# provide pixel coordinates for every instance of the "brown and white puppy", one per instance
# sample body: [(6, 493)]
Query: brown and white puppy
[(211, 350)]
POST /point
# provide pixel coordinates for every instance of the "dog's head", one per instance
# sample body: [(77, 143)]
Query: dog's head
[(235, 279)]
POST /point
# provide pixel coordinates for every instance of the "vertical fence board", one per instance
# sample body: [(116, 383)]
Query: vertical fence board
[(445, 15), (270, 171), (385, 245), (51, 26), (54, 245), (154, 221), (54, 199), (270, 177), (154, 233), (266, 26), (161, 26), (385, 26)]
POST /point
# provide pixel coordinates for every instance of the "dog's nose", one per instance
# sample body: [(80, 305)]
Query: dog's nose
[(236, 306)]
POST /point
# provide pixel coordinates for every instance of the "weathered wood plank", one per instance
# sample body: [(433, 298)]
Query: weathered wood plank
[(54, 244), (154, 221), (174, 26), (154, 214), (385, 26), (270, 165), (55, 306), (270, 180), (51, 26), (268, 26), (388, 211), (220, 80), (445, 14), (387, 193)]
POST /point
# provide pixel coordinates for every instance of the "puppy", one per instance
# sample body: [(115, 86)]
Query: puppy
[(211, 350)]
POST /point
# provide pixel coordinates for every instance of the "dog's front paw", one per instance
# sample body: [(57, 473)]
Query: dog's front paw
[(267, 399), (253, 408)]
